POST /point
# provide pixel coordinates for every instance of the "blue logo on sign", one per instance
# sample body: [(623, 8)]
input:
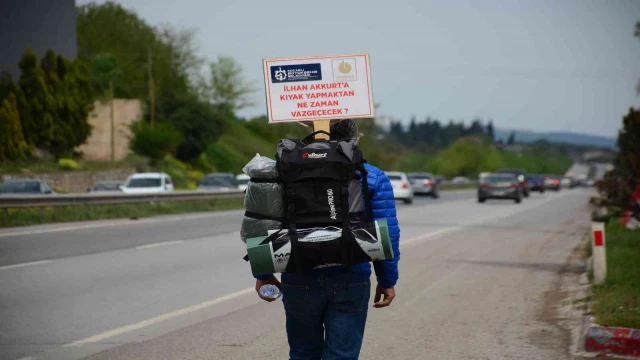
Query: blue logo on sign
[(291, 73)]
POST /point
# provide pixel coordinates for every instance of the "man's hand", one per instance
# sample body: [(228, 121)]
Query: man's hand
[(272, 280), (389, 294)]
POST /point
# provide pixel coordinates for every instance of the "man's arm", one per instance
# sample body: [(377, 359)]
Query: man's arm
[(384, 207)]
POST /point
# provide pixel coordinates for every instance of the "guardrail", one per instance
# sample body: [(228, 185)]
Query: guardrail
[(42, 201), (88, 199)]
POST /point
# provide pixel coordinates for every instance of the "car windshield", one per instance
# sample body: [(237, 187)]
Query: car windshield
[(395, 177), (106, 186), (20, 187), (492, 179), (217, 181), (144, 182)]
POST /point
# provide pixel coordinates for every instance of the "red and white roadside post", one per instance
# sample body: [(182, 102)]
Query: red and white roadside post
[(598, 245)]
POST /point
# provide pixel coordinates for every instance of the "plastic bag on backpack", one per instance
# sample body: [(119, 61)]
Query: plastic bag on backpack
[(263, 200)]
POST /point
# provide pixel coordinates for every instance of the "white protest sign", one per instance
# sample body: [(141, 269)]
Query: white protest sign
[(318, 88)]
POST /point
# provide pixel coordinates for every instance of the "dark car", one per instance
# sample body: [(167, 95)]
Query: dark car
[(552, 182), (218, 181), (536, 183), (25, 187), (500, 186), (424, 184), (520, 176)]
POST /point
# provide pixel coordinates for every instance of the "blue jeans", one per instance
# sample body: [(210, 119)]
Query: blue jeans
[(324, 320)]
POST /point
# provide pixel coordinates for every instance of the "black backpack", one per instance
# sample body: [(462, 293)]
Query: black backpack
[(324, 185)]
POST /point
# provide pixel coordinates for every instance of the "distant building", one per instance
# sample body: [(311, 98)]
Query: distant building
[(39, 24), (98, 145)]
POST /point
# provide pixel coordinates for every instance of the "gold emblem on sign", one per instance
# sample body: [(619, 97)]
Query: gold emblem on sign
[(344, 67)]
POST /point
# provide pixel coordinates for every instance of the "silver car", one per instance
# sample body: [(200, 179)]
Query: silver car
[(218, 182), (424, 184), (107, 187)]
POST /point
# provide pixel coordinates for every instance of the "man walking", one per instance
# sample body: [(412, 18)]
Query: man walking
[(325, 319)]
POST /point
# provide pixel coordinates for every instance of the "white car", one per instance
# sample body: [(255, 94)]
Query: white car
[(402, 189), (460, 180), (241, 181), (147, 183)]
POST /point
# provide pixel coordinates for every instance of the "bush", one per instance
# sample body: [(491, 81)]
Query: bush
[(195, 175), (177, 170), (204, 164), (68, 164), (154, 141)]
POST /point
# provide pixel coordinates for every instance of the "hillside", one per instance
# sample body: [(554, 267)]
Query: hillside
[(557, 137)]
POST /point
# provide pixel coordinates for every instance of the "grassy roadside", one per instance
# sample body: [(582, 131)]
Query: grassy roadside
[(33, 216), (617, 301)]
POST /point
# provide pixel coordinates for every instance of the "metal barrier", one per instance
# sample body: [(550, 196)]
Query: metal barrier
[(41, 201)]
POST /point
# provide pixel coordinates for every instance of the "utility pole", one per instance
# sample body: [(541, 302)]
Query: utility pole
[(152, 100), (113, 126)]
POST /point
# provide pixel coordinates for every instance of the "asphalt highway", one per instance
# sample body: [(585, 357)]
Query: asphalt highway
[(474, 281)]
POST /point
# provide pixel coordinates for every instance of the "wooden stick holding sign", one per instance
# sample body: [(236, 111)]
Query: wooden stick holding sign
[(318, 89), (322, 125)]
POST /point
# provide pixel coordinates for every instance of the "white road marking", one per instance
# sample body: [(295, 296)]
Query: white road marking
[(159, 244), (25, 264), (28, 358), (159, 319), (432, 234), (119, 222)]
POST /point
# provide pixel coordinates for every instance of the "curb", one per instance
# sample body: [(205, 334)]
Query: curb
[(611, 340)]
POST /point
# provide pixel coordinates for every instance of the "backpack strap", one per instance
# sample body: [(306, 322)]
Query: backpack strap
[(347, 236), (365, 189), (294, 260)]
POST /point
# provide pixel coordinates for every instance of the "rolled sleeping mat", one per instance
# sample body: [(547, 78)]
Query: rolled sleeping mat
[(270, 254)]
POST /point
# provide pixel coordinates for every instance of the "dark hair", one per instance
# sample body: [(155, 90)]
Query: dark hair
[(345, 129)]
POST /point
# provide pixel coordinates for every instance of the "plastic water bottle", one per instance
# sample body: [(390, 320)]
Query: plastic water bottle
[(270, 291)]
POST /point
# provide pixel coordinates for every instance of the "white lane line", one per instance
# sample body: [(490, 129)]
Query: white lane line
[(159, 244), (25, 264), (28, 358), (159, 319), (432, 234), (119, 222)]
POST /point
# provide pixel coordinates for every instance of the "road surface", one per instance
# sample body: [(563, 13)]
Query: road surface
[(475, 284)]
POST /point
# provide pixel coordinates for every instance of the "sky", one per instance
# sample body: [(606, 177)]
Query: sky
[(543, 65)]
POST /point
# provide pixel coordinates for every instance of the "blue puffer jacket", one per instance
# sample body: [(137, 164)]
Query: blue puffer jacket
[(384, 207)]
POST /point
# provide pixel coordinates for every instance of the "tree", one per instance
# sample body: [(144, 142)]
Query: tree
[(68, 84), (77, 102), (199, 122), (227, 85), (619, 184), (512, 138), (156, 141), (38, 112), (13, 146), (6, 84), (490, 131), (128, 42)]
